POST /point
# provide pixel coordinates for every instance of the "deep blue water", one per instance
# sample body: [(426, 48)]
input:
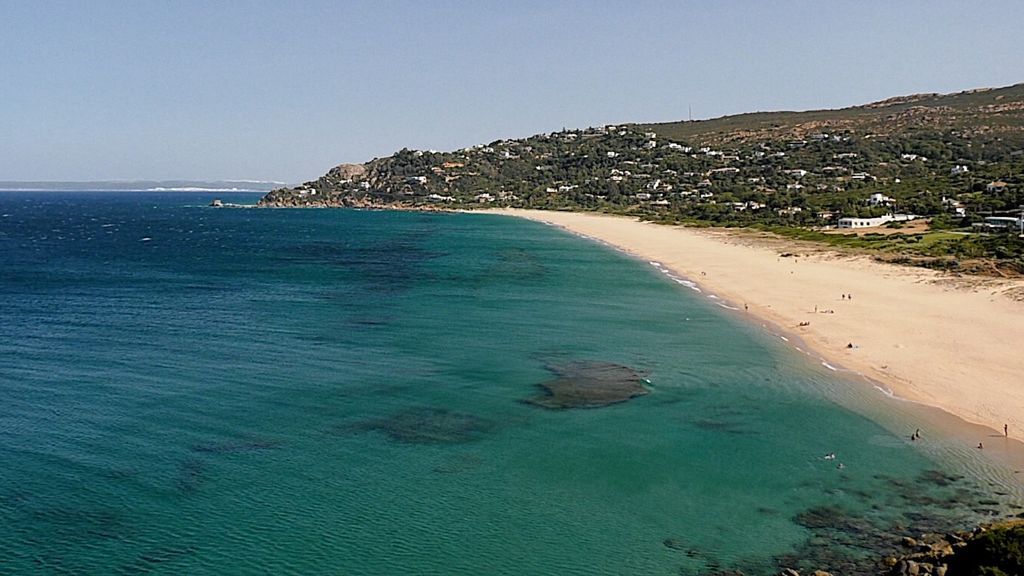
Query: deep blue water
[(207, 391)]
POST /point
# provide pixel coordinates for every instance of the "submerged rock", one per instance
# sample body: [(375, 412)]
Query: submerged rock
[(431, 426), (586, 384)]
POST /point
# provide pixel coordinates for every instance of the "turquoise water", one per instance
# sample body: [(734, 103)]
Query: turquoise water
[(211, 391)]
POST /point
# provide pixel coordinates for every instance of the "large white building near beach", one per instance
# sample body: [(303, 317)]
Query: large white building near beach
[(877, 221)]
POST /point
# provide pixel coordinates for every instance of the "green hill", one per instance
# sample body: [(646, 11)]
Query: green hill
[(953, 158)]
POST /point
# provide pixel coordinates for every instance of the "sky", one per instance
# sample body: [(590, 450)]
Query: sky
[(274, 90)]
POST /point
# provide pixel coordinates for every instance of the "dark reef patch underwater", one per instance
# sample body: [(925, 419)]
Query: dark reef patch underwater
[(349, 392), (589, 384)]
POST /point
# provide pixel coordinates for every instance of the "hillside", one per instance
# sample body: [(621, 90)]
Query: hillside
[(956, 158), (972, 111)]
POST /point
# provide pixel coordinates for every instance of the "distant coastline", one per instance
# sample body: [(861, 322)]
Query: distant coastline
[(140, 186)]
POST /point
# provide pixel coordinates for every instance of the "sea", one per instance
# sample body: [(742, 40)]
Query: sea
[(197, 390)]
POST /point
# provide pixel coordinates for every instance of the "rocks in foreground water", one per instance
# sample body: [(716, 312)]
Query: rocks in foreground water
[(588, 384), (996, 550)]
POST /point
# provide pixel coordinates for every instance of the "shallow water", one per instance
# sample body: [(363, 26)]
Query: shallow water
[(196, 390)]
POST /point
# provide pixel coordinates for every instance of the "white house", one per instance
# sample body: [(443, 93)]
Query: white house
[(871, 222), (959, 169), (878, 198), (439, 198), (955, 206)]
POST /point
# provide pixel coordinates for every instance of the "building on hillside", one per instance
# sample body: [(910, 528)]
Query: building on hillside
[(879, 199), (955, 206), (996, 186), (726, 170), (1002, 223), (959, 169)]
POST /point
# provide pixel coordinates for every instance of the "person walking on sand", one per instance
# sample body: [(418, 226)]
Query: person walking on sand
[(1006, 430)]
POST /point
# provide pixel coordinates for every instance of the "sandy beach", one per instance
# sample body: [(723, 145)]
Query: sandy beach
[(948, 342)]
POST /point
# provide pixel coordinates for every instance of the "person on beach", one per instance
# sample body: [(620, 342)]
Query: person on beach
[(917, 433), (844, 296), (1006, 430), (980, 447)]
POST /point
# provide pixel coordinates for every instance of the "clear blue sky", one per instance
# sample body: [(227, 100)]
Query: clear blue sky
[(284, 90)]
